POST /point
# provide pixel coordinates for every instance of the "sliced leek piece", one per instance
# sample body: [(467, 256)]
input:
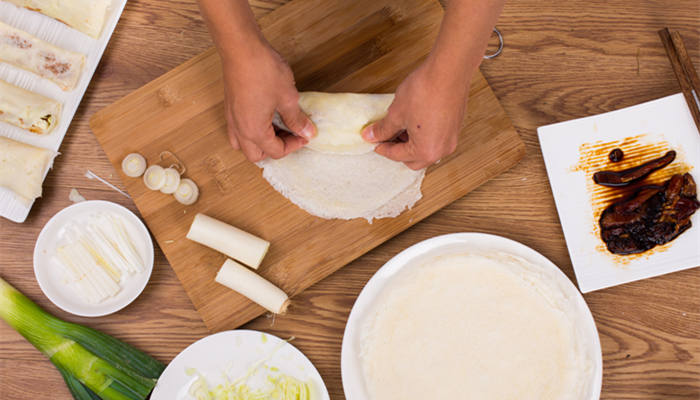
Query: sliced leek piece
[(154, 177), (187, 192), (172, 181), (134, 165)]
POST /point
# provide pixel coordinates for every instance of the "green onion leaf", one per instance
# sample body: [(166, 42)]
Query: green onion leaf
[(94, 365)]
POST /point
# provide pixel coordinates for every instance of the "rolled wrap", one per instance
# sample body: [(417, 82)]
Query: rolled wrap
[(30, 53), (28, 110), (87, 16), (22, 168)]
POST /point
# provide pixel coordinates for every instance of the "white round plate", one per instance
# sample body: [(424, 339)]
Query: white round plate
[(51, 277), (233, 353), (351, 367)]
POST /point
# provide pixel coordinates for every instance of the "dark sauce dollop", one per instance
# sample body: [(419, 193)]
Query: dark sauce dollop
[(616, 155)]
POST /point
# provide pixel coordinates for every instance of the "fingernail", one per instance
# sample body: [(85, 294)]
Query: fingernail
[(368, 134), (308, 131)]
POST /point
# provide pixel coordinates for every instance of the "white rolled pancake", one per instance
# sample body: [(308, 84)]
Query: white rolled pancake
[(340, 118), (251, 285), (338, 174), (28, 110), (30, 53), (235, 243), (87, 16), (344, 186), (22, 168)]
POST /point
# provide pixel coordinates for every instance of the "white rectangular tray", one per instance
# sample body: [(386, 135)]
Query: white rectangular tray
[(664, 121), (61, 35)]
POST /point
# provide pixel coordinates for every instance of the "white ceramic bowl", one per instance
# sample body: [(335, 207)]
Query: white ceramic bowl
[(50, 276), (234, 353), (351, 367)]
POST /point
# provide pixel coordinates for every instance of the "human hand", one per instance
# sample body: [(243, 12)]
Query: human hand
[(258, 82), (424, 121)]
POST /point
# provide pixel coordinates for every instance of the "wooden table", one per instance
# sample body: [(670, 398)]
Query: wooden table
[(562, 60)]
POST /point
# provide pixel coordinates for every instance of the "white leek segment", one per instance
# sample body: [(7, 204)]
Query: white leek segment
[(251, 285), (99, 254), (187, 192), (172, 181), (235, 243), (154, 177), (114, 230), (92, 282), (134, 165)]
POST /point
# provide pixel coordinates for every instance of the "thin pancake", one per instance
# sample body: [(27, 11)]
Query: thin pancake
[(338, 175), (340, 118), (344, 186)]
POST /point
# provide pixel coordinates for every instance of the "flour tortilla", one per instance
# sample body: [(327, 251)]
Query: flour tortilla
[(338, 175)]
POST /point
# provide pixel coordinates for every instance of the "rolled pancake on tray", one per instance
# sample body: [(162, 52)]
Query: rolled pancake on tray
[(28, 110), (87, 16), (22, 168), (338, 175), (22, 50)]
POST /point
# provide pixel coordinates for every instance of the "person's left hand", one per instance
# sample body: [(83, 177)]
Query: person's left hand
[(425, 118)]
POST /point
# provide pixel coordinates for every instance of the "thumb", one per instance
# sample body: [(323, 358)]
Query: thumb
[(297, 122), (383, 130)]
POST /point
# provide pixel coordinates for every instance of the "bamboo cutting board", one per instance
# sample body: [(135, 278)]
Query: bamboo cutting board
[(332, 45)]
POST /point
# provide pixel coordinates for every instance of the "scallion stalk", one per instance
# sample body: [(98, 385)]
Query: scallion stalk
[(100, 364)]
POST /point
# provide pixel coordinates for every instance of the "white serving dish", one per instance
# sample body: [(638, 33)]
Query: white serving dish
[(51, 276), (666, 120), (234, 353), (351, 366), (61, 35)]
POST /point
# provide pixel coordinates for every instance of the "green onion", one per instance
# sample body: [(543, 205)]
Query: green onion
[(76, 388), (94, 365)]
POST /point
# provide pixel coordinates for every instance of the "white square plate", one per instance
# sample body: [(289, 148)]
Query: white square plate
[(61, 35), (665, 123)]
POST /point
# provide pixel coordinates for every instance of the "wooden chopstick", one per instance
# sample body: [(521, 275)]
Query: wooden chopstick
[(684, 70), (686, 62)]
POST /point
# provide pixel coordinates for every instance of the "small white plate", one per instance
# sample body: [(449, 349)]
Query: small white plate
[(51, 278), (666, 121), (233, 353), (351, 367)]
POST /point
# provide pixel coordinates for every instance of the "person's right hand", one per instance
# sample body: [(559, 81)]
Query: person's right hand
[(258, 82)]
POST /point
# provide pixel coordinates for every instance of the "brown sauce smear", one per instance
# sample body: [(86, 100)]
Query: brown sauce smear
[(628, 176), (593, 157)]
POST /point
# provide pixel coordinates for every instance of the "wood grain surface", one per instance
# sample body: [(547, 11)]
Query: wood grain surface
[(328, 50), (561, 60)]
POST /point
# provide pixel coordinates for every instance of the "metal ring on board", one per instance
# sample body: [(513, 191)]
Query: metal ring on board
[(500, 45)]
